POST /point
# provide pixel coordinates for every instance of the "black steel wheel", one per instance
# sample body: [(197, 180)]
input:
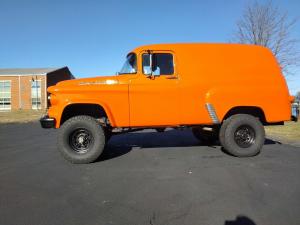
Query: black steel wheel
[(242, 135), (81, 140)]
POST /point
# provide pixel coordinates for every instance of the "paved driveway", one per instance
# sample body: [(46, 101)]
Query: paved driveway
[(145, 178)]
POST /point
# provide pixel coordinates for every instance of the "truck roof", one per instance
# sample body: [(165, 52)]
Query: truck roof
[(189, 46), (216, 58)]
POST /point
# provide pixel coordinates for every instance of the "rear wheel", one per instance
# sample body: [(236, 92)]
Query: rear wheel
[(242, 135), (205, 136), (81, 139)]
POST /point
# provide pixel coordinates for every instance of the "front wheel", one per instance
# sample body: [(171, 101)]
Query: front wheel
[(242, 135), (81, 139)]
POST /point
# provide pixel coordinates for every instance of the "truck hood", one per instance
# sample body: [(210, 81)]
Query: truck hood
[(83, 82), (90, 81)]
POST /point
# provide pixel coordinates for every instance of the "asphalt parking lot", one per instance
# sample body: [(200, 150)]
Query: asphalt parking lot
[(145, 178)]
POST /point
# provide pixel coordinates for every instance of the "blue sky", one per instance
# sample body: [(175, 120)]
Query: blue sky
[(93, 37)]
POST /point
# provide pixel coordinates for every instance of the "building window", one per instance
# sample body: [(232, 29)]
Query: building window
[(36, 94), (5, 95)]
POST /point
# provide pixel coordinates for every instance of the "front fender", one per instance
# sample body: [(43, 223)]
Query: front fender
[(112, 98)]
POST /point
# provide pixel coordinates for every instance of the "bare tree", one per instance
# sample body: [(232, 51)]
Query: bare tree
[(266, 25), (297, 96)]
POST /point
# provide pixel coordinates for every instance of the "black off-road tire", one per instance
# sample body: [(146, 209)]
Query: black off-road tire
[(205, 136), (90, 130), (242, 135)]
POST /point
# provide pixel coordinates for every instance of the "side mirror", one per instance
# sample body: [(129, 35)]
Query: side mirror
[(151, 71)]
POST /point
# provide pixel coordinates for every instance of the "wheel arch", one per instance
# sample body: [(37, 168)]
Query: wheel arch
[(250, 110), (95, 110)]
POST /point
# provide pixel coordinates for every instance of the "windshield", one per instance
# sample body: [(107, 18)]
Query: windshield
[(130, 64)]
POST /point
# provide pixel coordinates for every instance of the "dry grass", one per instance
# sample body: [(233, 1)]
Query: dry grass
[(20, 116), (289, 132)]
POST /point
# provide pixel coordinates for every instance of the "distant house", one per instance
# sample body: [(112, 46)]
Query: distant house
[(27, 88)]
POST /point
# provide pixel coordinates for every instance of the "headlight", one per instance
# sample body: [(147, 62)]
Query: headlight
[(53, 99)]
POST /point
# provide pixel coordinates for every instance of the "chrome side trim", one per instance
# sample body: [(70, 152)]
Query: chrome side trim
[(212, 113)]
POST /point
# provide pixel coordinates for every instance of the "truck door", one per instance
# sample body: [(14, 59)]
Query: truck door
[(153, 94)]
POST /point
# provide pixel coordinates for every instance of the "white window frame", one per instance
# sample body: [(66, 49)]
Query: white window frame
[(39, 95), (8, 108)]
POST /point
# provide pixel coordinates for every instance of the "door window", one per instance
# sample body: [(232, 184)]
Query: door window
[(129, 65), (162, 64)]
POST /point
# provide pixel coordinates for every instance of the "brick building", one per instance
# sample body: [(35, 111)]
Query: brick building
[(27, 88)]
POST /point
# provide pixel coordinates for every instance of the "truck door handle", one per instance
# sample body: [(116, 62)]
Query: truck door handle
[(172, 78)]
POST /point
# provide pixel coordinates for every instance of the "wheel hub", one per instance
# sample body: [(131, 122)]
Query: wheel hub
[(244, 136), (81, 140)]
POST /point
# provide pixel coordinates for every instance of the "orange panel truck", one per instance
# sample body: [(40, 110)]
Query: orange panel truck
[(225, 92)]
